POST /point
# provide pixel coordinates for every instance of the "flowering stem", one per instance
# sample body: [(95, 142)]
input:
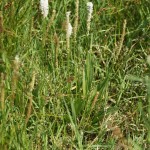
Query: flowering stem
[(76, 19), (67, 31), (44, 7), (90, 10)]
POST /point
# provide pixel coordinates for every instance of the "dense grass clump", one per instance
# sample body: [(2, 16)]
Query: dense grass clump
[(86, 87)]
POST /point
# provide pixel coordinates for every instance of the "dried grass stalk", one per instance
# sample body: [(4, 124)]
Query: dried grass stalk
[(16, 66), (31, 87), (122, 39), (1, 22), (76, 19), (56, 41), (2, 94)]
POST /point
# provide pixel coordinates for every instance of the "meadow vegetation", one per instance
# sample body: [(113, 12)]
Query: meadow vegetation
[(86, 91)]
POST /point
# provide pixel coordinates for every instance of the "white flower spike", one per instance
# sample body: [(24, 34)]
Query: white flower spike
[(68, 14), (17, 58), (44, 7), (89, 17), (90, 7), (69, 29), (69, 26)]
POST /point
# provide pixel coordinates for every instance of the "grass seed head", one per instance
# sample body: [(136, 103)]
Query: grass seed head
[(1, 22)]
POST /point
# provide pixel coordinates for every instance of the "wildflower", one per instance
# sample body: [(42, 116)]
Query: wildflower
[(90, 7), (68, 29), (44, 7), (68, 25), (90, 10)]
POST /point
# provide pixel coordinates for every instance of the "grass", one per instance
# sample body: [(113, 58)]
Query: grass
[(94, 95)]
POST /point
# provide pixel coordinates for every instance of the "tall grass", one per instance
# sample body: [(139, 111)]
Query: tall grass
[(84, 99)]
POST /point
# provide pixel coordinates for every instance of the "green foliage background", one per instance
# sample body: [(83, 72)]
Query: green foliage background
[(77, 104)]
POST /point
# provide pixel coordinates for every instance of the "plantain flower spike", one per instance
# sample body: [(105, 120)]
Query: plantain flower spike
[(68, 25), (90, 10), (44, 7)]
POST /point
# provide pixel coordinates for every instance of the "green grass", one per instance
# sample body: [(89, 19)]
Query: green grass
[(96, 97)]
